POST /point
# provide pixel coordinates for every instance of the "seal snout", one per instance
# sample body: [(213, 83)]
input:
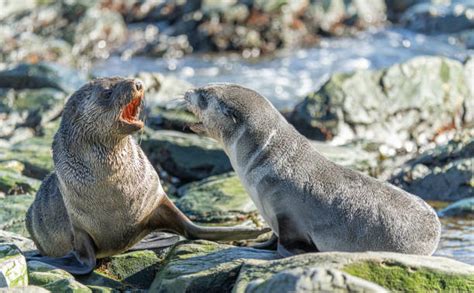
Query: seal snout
[(138, 85)]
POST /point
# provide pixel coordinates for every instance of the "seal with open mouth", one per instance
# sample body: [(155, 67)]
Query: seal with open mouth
[(104, 196), (311, 203)]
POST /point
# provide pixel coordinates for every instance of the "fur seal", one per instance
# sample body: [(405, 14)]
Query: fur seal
[(310, 203), (104, 195)]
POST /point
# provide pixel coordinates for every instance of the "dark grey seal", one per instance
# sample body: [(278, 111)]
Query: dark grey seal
[(311, 203), (104, 196)]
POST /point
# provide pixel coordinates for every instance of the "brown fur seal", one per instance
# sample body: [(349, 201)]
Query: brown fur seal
[(104, 195), (311, 203)]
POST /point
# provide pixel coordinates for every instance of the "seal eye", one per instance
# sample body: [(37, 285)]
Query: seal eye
[(107, 94), (202, 102)]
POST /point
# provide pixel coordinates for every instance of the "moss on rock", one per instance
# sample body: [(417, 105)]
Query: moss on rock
[(13, 271), (13, 210), (399, 277)]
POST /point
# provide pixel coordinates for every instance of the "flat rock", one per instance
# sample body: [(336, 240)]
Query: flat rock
[(186, 156), (203, 266), (13, 271), (53, 279), (393, 271), (313, 280)]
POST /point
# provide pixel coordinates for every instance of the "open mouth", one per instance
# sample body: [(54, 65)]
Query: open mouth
[(131, 112)]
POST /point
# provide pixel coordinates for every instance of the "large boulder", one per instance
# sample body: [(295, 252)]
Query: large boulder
[(443, 173), (13, 271), (393, 271), (202, 266), (186, 156), (403, 105)]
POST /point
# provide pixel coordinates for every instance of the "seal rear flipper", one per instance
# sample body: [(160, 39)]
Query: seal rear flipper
[(167, 217), (156, 240), (71, 263)]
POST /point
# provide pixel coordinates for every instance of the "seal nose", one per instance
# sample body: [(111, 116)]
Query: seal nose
[(138, 85)]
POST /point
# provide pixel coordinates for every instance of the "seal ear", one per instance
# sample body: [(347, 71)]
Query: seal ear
[(228, 112)]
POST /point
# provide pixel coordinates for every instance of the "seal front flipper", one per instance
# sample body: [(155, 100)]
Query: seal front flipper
[(156, 240), (71, 263), (80, 261)]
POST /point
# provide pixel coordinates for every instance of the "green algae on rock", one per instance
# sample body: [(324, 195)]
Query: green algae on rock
[(13, 271), (219, 198), (186, 156), (419, 272), (203, 266), (12, 182), (136, 268), (53, 279), (13, 210), (313, 280)]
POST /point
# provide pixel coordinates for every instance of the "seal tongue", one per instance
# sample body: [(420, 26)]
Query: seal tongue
[(131, 110)]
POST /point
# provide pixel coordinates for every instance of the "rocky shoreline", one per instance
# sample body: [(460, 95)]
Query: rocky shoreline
[(410, 123)]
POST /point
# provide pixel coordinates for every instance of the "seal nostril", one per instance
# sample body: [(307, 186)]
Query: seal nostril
[(138, 85)]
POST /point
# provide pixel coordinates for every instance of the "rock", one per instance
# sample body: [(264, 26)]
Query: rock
[(13, 210), (393, 271), (13, 182), (53, 279), (23, 243), (439, 18), (27, 289), (186, 156), (13, 271), (405, 104), (461, 208), (36, 157), (136, 268), (14, 7), (443, 173), (313, 280), (203, 266), (469, 102), (98, 32), (35, 76), (170, 119), (220, 198)]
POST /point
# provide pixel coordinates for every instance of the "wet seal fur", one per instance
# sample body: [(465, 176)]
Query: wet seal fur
[(311, 203), (104, 195)]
